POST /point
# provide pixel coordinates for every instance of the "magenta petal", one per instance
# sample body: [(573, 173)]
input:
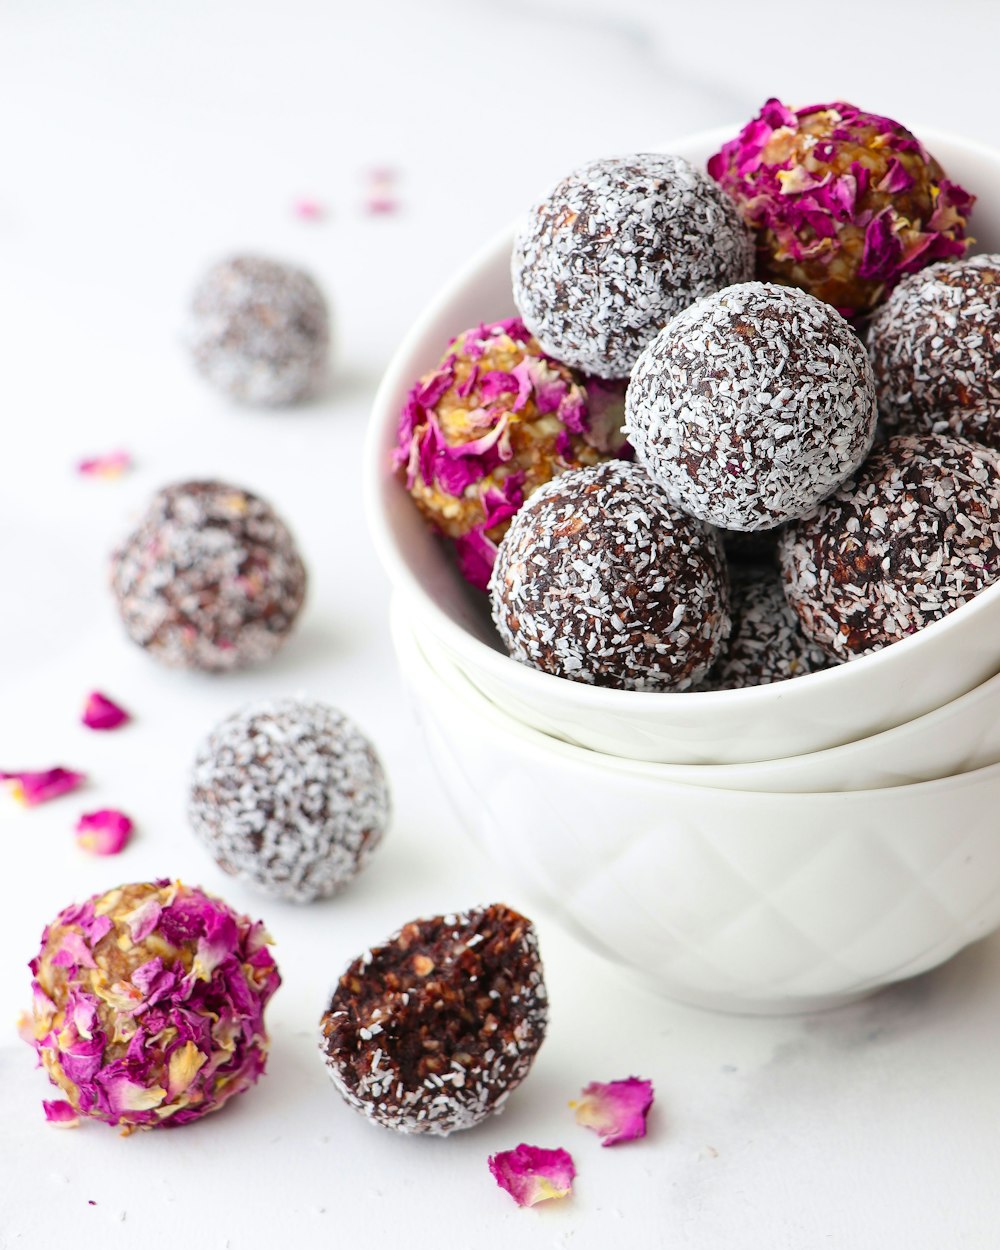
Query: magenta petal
[(476, 555), (60, 1113), (532, 1174), (101, 712), (616, 1111), (113, 464), (34, 788), (104, 832)]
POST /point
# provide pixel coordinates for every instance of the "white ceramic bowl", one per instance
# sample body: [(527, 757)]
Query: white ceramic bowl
[(810, 713), (747, 902), (959, 737)]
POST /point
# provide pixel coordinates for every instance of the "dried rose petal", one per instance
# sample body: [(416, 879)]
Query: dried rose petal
[(308, 209), (113, 464), (30, 789), (104, 832), (381, 194), (60, 1113), (616, 1111), (101, 712), (532, 1174)]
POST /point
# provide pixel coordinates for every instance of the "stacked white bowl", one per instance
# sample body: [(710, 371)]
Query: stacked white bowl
[(773, 849)]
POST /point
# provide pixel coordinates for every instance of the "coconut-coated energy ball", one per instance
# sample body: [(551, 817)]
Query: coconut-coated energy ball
[(935, 350), (432, 1030), (289, 796), (767, 643), (752, 405), (494, 420), (616, 249), (209, 579), (149, 1005), (601, 580), (259, 329), (842, 202), (911, 538)]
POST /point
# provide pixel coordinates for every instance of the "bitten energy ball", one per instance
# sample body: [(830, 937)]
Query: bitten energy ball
[(915, 535), (209, 579), (752, 405), (615, 250), (290, 797), (842, 202), (935, 349), (767, 643), (486, 428), (259, 329), (432, 1031), (149, 1005), (602, 581)]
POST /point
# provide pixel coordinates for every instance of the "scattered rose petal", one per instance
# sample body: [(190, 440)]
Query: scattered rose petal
[(104, 832), (616, 1111), (26, 1028), (532, 1174), (101, 712), (307, 209), (60, 1113), (114, 464), (381, 193), (30, 789)]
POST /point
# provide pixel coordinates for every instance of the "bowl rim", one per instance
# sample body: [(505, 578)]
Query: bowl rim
[(398, 378)]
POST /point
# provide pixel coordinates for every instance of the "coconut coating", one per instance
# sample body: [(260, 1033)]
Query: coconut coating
[(616, 249), (149, 1004), (842, 202), (752, 405), (259, 330), (935, 350), (432, 1031), (911, 538), (767, 643), (289, 796), (601, 580), (209, 579), (483, 430)]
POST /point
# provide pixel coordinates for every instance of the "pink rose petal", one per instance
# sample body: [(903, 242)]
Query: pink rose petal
[(60, 1113), (380, 198), (113, 464), (616, 1111), (101, 712), (532, 1174), (104, 832), (30, 788), (308, 209)]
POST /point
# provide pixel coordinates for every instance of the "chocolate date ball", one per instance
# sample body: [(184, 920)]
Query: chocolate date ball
[(911, 538), (752, 405), (615, 250), (148, 1006), (767, 643), (935, 349), (601, 580), (432, 1031), (842, 202), (259, 330), (209, 579), (290, 797)]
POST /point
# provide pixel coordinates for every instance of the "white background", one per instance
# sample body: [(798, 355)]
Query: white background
[(142, 141)]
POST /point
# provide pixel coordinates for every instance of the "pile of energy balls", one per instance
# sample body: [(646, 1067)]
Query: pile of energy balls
[(747, 423)]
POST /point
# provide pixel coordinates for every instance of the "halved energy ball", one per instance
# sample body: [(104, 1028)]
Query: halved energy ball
[(618, 247), (432, 1030), (752, 405), (601, 580)]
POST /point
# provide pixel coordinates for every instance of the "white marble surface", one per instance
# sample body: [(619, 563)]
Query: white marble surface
[(139, 142)]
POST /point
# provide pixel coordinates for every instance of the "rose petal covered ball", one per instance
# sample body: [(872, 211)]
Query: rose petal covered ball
[(431, 1031), (487, 427), (616, 249), (259, 330), (149, 1005), (842, 202), (289, 796), (209, 579), (935, 350), (911, 538), (601, 580), (752, 405)]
